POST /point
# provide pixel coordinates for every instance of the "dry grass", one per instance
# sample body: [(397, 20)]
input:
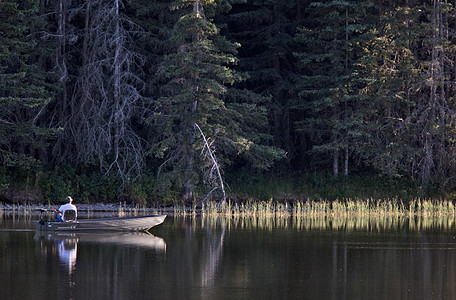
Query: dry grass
[(337, 208)]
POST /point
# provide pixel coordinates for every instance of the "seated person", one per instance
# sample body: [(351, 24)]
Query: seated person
[(69, 206)]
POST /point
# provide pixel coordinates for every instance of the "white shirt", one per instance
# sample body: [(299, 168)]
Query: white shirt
[(66, 207)]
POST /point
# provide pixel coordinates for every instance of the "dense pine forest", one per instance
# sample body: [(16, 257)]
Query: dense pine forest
[(162, 100)]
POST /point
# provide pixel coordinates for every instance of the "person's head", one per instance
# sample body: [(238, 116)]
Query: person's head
[(56, 212), (69, 199)]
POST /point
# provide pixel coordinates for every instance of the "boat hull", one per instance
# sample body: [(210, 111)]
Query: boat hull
[(141, 223)]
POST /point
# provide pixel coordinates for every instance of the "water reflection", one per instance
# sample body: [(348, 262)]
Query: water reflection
[(344, 223), (237, 258), (140, 239), (67, 250), (320, 258), (65, 244), (212, 250), (197, 255)]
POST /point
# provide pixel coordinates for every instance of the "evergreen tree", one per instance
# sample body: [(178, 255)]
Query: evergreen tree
[(61, 35), (411, 84), (198, 90), (157, 19), (392, 69), (434, 115), (25, 88), (265, 30), (330, 86)]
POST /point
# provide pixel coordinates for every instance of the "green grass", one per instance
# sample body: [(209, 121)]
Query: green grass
[(316, 186), (242, 187)]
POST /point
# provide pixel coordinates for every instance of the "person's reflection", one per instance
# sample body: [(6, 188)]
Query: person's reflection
[(67, 250)]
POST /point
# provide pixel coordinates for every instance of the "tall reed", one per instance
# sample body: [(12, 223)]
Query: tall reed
[(306, 208)]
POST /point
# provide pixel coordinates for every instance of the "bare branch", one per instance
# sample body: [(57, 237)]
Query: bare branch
[(215, 165)]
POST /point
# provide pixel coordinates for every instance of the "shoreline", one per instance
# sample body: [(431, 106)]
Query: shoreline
[(84, 209), (309, 208)]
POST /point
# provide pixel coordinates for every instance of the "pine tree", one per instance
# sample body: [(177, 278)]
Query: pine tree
[(392, 69), (62, 38), (265, 30), (330, 85), (25, 88), (198, 90), (413, 83)]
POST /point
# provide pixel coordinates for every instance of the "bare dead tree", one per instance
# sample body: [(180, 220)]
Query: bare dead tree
[(213, 174), (108, 94)]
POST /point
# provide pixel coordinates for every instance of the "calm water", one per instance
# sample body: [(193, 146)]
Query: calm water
[(213, 258)]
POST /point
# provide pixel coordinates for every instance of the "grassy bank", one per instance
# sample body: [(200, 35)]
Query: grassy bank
[(322, 186), (347, 208)]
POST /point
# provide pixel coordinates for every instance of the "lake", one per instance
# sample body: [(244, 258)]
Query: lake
[(234, 258)]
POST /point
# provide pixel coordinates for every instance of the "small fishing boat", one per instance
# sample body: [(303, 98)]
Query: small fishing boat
[(139, 223)]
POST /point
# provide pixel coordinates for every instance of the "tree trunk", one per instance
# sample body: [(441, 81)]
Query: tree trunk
[(336, 164), (117, 81), (86, 34), (346, 162)]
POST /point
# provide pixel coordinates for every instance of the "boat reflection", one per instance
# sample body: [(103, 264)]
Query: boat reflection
[(139, 239), (66, 243)]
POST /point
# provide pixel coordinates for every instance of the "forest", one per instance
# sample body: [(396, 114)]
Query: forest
[(188, 100)]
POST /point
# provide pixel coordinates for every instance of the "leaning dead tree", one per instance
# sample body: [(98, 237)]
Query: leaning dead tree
[(212, 176)]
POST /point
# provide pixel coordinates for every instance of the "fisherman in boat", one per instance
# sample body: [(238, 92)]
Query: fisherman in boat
[(69, 210)]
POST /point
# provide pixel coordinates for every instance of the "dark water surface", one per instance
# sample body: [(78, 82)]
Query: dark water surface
[(215, 258)]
